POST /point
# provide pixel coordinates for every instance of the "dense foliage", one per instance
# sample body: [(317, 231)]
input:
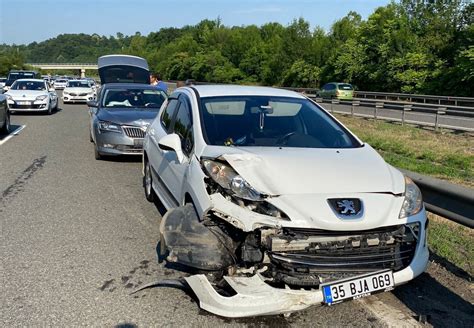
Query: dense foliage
[(419, 46)]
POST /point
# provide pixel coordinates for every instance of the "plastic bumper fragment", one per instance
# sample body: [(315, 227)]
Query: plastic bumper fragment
[(254, 297)]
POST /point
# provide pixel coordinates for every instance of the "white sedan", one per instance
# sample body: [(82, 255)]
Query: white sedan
[(78, 91), (281, 204), (60, 84), (27, 95)]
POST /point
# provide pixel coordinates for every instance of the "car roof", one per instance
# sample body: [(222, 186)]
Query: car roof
[(128, 86), (31, 80), (240, 90), (21, 71)]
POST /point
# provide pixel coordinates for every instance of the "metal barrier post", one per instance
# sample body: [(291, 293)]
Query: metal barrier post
[(377, 106), (440, 111), (406, 108), (334, 101), (354, 103)]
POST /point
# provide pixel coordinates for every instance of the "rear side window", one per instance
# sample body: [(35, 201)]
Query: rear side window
[(345, 87), (168, 113), (183, 127)]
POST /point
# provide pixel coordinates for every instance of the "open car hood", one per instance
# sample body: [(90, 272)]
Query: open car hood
[(123, 69)]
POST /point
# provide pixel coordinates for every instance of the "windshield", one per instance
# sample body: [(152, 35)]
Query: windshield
[(61, 81), (78, 84), (345, 86), (29, 85), (271, 122), (137, 98)]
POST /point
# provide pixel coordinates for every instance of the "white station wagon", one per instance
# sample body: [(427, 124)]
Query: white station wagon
[(278, 202)]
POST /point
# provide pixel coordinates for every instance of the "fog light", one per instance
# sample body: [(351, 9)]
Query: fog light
[(109, 146)]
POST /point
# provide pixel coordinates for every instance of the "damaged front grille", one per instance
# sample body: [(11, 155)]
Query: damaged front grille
[(304, 252)]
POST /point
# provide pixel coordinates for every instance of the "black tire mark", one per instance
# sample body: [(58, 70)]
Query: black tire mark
[(21, 180)]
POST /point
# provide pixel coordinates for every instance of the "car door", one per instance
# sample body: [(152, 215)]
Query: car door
[(53, 96), (175, 171), (159, 158)]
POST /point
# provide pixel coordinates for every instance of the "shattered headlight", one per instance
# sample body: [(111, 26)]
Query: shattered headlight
[(109, 127), (413, 202), (227, 178)]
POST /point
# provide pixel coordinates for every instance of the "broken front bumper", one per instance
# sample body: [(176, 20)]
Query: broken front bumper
[(255, 297)]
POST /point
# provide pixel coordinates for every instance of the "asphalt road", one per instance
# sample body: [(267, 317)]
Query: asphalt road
[(78, 236)]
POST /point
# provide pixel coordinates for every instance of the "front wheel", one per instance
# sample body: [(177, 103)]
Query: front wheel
[(50, 109), (148, 183), (98, 156)]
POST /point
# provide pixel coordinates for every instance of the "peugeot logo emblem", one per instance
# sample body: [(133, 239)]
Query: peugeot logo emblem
[(346, 207)]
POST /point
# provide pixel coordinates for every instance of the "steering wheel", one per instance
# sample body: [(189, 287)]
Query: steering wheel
[(285, 137)]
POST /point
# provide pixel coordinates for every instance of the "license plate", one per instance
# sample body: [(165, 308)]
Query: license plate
[(138, 142), (24, 103), (358, 287)]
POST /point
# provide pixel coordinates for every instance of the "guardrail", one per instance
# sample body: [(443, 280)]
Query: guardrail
[(440, 100), (406, 97), (445, 199), (58, 64)]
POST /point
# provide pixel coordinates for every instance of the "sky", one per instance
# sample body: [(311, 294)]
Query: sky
[(25, 21)]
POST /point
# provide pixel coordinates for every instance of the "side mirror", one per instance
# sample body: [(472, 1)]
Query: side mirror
[(92, 103), (171, 142)]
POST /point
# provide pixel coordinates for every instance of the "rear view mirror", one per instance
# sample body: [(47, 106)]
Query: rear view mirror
[(92, 103)]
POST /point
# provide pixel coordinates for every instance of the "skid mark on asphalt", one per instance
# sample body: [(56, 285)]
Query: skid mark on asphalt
[(12, 134), (20, 181)]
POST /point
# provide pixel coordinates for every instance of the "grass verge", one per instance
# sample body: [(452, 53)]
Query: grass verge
[(444, 155), (452, 241)]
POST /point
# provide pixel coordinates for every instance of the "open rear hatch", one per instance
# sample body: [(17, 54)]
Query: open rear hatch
[(123, 69)]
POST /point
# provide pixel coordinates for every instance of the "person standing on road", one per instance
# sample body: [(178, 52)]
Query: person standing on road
[(155, 80)]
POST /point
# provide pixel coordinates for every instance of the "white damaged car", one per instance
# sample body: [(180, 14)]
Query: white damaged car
[(276, 203), (32, 95)]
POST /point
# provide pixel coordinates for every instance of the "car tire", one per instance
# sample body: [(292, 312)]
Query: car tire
[(50, 109), (148, 183), (98, 156), (6, 127)]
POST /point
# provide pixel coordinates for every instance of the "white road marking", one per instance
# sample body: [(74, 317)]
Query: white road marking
[(12, 133), (387, 314)]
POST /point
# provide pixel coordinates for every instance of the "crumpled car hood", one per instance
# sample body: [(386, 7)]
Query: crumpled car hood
[(297, 171), (135, 117)]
